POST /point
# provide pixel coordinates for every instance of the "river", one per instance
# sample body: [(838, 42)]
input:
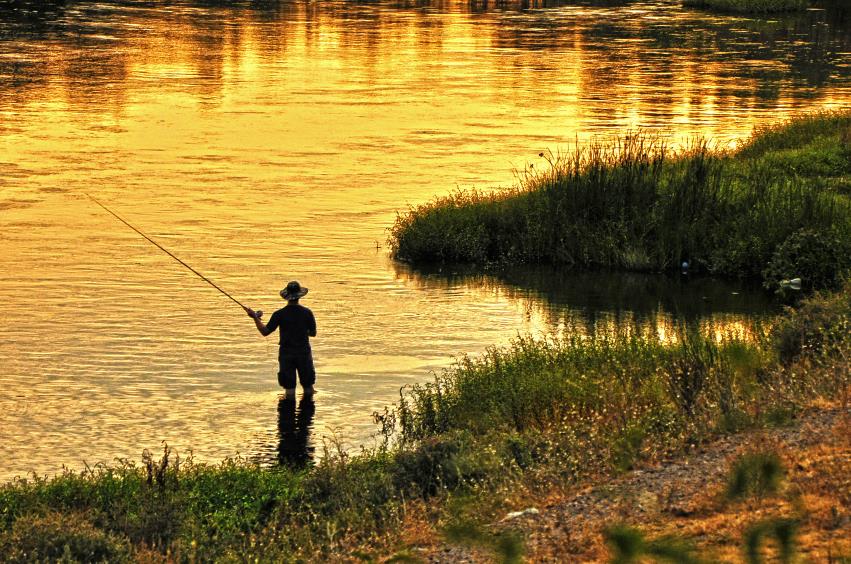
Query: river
[(268, 141)]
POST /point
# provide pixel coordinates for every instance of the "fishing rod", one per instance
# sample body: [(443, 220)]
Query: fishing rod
[(169, 253)]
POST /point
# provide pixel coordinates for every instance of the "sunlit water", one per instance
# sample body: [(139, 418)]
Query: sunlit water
[(263, 144)]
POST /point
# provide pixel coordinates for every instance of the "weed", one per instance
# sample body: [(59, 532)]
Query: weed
[(820, 260), (68, 537), (757, 473), (783, 531), (818, 328), (628, 545), (507, 547), (689, 371)]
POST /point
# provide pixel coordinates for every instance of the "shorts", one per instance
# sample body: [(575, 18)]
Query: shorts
[(290, 363)]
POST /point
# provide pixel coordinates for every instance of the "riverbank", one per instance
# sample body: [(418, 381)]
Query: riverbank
[(635, 204), (477, 442)]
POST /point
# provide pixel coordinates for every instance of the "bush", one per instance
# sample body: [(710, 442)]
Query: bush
[(783, 531), (819, 327), (66, 537), (432, 466), (754, 473), (819, 259), (628, 545), (689, 370)]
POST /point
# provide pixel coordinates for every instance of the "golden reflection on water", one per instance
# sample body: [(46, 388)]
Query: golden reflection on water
[(277, 141), (594, 305)]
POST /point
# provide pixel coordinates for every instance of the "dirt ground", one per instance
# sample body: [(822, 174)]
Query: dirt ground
[(684, 497)]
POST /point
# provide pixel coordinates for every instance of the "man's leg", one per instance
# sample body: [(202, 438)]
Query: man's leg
[(306, 373), (286, 374)]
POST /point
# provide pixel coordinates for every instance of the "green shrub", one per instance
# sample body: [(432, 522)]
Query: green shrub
[(507, 547), (819, 259), (348, 490), (66, 537), (819, 327), (689, 370), (628, 545), (783, 531), (230, 501), (430, 467), (626, 447), (755, 473)]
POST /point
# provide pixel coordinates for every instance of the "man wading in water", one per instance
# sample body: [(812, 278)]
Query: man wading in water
[(296, 324)]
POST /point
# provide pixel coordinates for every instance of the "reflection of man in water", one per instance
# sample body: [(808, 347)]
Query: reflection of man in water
[(297, 325), (294, 426)]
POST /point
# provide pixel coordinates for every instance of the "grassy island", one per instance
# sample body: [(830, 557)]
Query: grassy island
[(750, 6), (635, 204)]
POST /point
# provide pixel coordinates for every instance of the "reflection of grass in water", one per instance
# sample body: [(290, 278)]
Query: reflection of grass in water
[(750, 6), (637, 205), (588, 303)]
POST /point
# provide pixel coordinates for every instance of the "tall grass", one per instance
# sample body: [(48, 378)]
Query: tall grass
[(623, 390), (686, 383), (636, 204)]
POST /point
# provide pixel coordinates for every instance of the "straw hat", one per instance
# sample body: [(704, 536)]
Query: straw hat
[(293, 291)]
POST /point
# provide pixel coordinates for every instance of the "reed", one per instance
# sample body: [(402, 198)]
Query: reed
[(636, 204)]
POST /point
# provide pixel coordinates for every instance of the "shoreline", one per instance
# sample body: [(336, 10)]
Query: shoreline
[(462, 453)]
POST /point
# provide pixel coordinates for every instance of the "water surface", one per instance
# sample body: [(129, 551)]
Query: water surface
[(263, 142)]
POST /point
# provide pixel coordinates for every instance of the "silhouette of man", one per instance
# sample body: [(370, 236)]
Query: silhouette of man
[(296, 325)]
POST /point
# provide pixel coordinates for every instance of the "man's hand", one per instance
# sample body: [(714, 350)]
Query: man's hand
[(256, 315)]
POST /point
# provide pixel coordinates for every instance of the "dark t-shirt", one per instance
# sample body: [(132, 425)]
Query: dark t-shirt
[(297, 324)]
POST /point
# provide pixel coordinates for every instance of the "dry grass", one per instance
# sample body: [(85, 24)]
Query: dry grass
[(816, 491)]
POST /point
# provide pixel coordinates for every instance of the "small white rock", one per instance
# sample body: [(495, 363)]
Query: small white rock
[(516, 514)]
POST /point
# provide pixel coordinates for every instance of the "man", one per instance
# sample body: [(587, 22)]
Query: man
[(297, 325)]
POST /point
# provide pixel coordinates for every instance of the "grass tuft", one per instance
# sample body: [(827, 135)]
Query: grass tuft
[(507, 547), (781, 530), (628, 545), (756, 473)]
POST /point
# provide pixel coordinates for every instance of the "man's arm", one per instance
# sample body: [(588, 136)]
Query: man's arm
[(311, 328), (265, 331)]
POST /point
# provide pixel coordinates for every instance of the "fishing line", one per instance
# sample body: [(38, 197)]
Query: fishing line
[(166, 251)]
